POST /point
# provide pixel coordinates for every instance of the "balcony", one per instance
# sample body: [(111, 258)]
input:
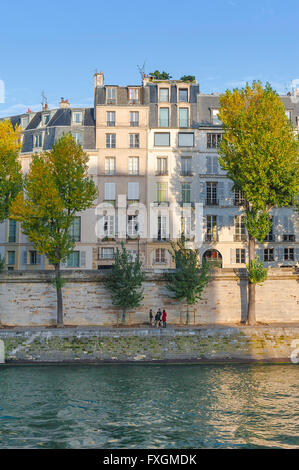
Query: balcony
[(164, 123), (134, 123), (161, 173), (212, 202), (161, 203), (111, 101), (289, 238), (269, 238), (211, 237), (134, 101), (186, 173), (110, 123)]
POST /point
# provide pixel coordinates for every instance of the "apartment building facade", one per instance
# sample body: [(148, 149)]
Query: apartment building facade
[(153, 156)]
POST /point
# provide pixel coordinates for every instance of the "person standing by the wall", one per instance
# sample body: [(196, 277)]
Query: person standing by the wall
[(164, 317), (151, 316)]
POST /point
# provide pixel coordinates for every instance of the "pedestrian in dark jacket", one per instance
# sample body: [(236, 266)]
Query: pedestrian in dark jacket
[(164, 317), (158, 318)]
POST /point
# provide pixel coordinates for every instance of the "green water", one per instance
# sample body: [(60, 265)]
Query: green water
[(144, 406)]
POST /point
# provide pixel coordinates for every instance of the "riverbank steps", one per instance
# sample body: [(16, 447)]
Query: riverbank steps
[(140, 345)]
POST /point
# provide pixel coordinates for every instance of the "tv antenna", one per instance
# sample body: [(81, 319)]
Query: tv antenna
[(44, 99), (141, 70)]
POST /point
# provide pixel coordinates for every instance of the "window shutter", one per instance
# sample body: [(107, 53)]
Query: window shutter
[(285, 224), (230, 194), (201, 192), (215, 165), (220, 220), (109, 191), (231, 221), (221, 192), (209, 164), (82, 259), (38, 259), (232, 256), (274, 224), (25, 257), (133, 191), (297, 254), (280, 253)]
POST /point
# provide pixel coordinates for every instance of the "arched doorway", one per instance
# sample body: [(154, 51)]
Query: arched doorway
[(214, 257)]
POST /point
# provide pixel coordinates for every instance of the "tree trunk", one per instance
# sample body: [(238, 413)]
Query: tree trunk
[(187, 316), (59, 297), (251, 319), (123, 317)]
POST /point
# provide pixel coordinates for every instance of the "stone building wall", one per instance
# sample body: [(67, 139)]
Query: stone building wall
[(29, 299)]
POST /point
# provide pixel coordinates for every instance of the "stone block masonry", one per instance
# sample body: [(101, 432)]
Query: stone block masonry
[(29, 299), (149, 345)]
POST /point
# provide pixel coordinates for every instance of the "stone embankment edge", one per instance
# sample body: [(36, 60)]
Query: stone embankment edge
[(205, 345)]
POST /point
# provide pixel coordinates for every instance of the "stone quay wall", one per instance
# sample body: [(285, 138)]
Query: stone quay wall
[(149, 345), (29, 299)]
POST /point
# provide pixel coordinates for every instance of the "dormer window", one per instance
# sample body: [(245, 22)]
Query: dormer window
[(288, 114), (37, 140), (133, 95), (46, 119), (77, 117), (111, 95), (183, 95), (24, 122), (215, 120)]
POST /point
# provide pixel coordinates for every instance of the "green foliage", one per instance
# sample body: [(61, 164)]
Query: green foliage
[(258, 224), (58, 282), (2, 264), (259, 150), (188, 78), (10, 169), (160, 75), (124, 281), (56, 187), (189, 280), (257, 273)]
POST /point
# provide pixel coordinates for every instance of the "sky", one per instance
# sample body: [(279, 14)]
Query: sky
[(57, 46)]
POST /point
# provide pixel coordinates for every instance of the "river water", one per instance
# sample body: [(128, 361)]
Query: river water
[(149, 406)]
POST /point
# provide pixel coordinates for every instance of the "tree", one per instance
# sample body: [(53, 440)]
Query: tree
[(160, 75), (124, 281), (188, 281), (10, 168), (259, 152), (188, 78), (56, 188)]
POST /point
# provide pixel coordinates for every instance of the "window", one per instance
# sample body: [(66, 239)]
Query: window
[(109, 192), (183, 95), (212, 165), (215, 119), (186, 192), (211, 234), (12, 231), (37, 140), (186, 225), (134, 141), (183, 117), (77, 117), (288, 114), (73, 261), (211, 199), (133, 95), (164, 95), (110, 118), (133, 165), (162, 166), (268, 254), (110, 141), (240, 234), (111, 95), (162, 139), (11, 257), (240, 255), (239, 199), (108, 225), (186, 166), (213, 140), (288, 230), (33, 257), (75, 229), (164, 117), (162, 230), (46, 119), (160, 255), (134, 118), (161, 192), (270, 236), (110, 166), (78, 137), (186, 139), (288, 254), (132, 228), (107, 253)]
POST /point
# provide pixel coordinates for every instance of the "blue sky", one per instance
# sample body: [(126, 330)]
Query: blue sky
[(57, 46)]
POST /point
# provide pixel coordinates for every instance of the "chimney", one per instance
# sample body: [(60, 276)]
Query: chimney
[(98, 80), (64, 103), (46, 107)]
